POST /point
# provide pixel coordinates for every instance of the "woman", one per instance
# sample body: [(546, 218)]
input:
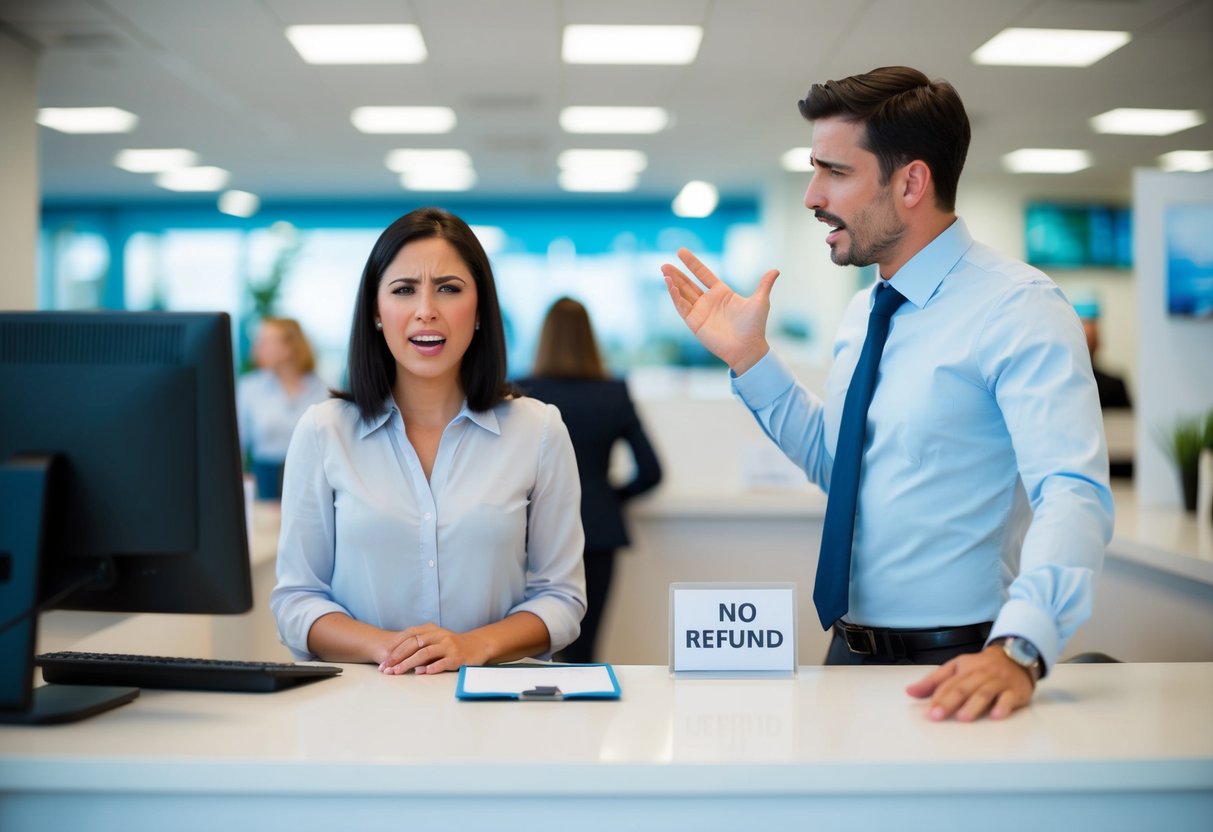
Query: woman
[(429, 519), (569, 373), (271, 399)]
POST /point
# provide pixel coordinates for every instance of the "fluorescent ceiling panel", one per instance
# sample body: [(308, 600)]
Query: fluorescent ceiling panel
[(438, 179), (614, 119), (669, 45), (696, 199), (205, 178), (383, 120), (155, 160), (1049, 47), (1194, 161), (411, 159), (1046, 160), (346, 44), (631, 161), (87, 119), (1138, 122), (601, 180)]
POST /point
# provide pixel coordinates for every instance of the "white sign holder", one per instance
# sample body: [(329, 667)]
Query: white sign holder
[(732, 629)]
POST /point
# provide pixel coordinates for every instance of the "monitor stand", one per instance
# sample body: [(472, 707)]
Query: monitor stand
[(28, 484)]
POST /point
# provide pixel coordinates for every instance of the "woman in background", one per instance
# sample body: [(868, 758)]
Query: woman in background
[(429, 517), (270, 400), (598, 411)]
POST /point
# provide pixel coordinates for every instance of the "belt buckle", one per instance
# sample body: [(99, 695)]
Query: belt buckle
[(859, 640)]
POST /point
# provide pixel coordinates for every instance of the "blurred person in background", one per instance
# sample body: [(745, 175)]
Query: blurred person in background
[(271, 399), (569, 373)]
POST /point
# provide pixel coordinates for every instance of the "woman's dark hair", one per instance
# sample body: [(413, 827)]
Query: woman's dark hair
[(906, 116), (372, 368), (567, 348)]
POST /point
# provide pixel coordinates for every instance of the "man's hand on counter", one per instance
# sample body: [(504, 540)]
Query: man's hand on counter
[(970, 686)]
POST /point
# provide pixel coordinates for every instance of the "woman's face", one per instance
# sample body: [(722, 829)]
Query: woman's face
[(272, 349), (428, 305)]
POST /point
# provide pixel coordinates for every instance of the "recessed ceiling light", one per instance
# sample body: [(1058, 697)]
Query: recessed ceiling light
[(438, 179), (1194, 161), (403, 119), (604, 180), (798, 159), (87, 119), (411, 159), (1138, 122), (205, 178), (1049, 47), (631, 44), (631, 161), (155, 160), (614, 119), (1046, 160), (374, 44), (696, 199), (239, 203)]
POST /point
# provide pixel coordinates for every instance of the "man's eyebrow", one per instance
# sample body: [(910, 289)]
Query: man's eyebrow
[(822, 163)]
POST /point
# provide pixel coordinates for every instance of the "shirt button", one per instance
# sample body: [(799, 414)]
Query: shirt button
[(428, 515), (431, 564)]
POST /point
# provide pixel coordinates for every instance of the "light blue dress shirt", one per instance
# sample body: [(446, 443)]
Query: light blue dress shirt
[(267, 414), (984, 494), (495, 530)]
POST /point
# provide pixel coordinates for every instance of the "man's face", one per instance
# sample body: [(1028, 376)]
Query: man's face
[(846, 194)]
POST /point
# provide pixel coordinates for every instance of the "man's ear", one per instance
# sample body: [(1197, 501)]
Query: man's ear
[(916, 183)]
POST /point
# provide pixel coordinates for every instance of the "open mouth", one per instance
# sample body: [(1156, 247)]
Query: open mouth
[(428, 344), (836, 225)]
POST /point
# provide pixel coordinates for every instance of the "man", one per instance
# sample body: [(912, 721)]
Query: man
[(981, 503)]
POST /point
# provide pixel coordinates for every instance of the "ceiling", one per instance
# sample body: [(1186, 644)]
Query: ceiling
[(220, 78)]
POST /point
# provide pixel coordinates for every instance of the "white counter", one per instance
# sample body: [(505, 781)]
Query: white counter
[(1103, 747)]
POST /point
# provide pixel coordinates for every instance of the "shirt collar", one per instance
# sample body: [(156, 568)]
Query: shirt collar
[(486, 419), (920, 277)]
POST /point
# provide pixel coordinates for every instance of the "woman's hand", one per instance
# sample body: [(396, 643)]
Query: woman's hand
[(431, 649)]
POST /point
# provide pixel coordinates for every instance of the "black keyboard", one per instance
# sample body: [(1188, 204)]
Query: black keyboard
[(175, 673)]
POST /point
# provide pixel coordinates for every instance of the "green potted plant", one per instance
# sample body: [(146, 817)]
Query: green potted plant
[(1183, 446)]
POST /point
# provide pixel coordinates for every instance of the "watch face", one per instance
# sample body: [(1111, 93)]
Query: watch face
[(1022, 651)]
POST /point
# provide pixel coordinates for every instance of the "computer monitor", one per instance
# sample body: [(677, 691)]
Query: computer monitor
[(120, 481)]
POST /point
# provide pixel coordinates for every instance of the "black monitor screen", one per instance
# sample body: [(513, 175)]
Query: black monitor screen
[(138, 412)]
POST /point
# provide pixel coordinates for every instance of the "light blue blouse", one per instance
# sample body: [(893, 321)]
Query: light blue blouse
[(267, 414), (496, 530), (984, 494)]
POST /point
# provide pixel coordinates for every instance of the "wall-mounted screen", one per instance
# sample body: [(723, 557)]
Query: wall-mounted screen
[(1060, 235), (1188, 232)]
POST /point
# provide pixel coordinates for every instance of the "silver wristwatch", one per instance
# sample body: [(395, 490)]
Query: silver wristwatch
[(1024, 653)]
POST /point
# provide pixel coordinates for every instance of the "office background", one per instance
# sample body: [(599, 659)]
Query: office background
[(222, 80)]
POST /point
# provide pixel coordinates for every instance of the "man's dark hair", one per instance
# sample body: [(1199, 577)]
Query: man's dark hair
[(372, 368), (906, 116)]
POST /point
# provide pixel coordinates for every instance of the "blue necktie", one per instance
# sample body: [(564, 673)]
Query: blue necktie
[(834, 564)]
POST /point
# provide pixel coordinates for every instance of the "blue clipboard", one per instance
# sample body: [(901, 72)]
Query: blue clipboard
[(537, 682)]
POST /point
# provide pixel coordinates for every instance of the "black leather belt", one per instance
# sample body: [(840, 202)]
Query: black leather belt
[(887, 642)]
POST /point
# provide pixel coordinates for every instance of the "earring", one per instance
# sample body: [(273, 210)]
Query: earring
[(378, 324), (478, 326)]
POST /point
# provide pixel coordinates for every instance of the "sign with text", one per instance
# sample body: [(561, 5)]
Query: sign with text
[(733, 627)]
